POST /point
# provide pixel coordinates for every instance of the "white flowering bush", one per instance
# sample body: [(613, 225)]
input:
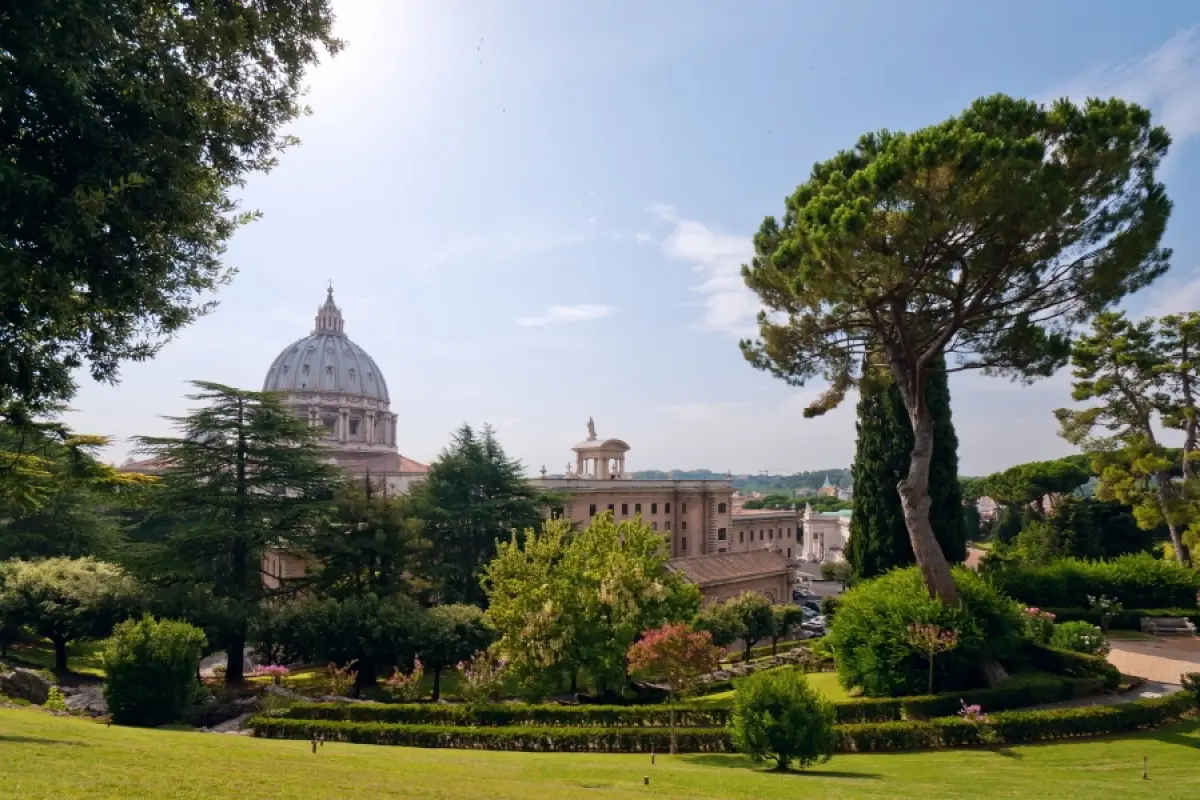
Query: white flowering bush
[(1080, 637)]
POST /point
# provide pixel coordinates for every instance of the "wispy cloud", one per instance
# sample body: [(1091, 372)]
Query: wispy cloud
[(500, 248), (1166, 80), (1173, 296), (643, 238), (729, 307), (560, 315)]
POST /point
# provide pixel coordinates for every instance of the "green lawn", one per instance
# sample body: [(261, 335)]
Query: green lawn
[(56, 758), (825, 682), (84, 658)]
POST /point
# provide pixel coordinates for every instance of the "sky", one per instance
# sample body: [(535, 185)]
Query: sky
[(535, 212)]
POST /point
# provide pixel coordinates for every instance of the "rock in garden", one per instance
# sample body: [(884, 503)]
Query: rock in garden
[(21, 684), (89, 701)]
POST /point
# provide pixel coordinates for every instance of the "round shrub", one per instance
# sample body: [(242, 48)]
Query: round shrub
[(151, 670), (778, 716), (1080, 637), (868, 634)]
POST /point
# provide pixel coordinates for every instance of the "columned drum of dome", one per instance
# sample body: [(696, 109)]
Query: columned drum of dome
[(332, 382)]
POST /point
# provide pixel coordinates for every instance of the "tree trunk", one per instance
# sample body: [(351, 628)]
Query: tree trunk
[(437, 683), (914, 499), (574, 681), (235, 655), (60, 656), (1164, 481), (749, 647), (674, 744), (365, 679)]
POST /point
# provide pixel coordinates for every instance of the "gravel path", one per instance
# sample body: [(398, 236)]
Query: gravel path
[(1162, 660), (1146, 691)]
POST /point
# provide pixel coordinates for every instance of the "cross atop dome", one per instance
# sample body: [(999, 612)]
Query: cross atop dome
[(329, 316)]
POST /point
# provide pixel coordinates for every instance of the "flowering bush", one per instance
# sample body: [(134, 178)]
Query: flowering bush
[(406, 688), (1107, 606), (930, 640), (276, 672), (1039, 625), (483, 676), (342, 679), (972, 713), (1080, 637)]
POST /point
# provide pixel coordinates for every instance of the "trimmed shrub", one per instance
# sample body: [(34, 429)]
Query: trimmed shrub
[(1080, 637), (1138, 581), (777, 715), (150, 669), (1013, 727), (1065, 662), (870, 649), (1129, 619)]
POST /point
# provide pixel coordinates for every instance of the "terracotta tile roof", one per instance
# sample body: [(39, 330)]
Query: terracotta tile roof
[(146, 465), (728, 567)]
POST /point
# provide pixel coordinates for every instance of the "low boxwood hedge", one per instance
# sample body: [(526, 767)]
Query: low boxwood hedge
[(1065, 662), (1129, 619), (1005, 728), (1021, 692)]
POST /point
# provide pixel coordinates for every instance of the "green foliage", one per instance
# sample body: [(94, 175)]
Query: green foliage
[(750, 617), (839, 571), (1139, 581), (1071, 664), (371, 631), (244, 476), (1031, 482), (1135, 380), (66, 600), (473, 497), (1129, 619), (452, 634), (777, 715), (130, 128), (56, 701), (879, 538), (565, 602), (787, 621), (150, 670), (867, 635), (370, 544), (1077, 528), (889, 250), (1080, 637)]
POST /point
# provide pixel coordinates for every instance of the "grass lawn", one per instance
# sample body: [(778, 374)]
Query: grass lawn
[(825, 682), (83, 658), (62, 758)]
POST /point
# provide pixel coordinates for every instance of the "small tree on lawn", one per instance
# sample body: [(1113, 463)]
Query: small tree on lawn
[(452, 634), (930, 640), (676, 654), (778, 715), (988, 236), (757, 618), (787, 618), (150, 668)]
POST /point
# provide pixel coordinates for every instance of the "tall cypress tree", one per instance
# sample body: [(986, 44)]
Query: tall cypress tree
[(878, 536)]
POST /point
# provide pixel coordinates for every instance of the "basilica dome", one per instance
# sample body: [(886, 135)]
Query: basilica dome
[(330, 381), (327, 361)]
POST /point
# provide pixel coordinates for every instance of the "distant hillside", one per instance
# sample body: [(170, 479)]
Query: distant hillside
[(755, 483)]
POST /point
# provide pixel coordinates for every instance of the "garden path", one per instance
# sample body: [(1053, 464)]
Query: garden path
[(1160, 659)]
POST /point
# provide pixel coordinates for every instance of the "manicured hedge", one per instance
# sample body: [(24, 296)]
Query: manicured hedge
[(1137, 581), (1012, 727), (1076, 665), (512, 714), (526, 739), (1128, 620), (1019, 693)]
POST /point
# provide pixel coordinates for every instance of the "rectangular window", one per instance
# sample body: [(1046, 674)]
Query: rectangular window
[(654, 508), (683, 544), (720, 549), (624, 509), (683, 508), (760, 534), (770, 533), (610, 506), (789, 552), (592, 510), (789, 533), (666, 508), (637, 508), (354, 427), (667, 525), (556, 512), (741, 536), (683, 525), (722, 535), (653, 526)]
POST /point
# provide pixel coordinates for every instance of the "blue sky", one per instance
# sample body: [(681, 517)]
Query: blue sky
[(534, 212)]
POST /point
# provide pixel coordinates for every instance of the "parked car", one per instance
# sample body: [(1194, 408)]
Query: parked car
[(813, 605)]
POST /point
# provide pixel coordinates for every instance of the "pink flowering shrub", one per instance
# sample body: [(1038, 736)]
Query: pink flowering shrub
[(1039, 625), (406, 687), (483, 676), (971, 713), (276, 672)]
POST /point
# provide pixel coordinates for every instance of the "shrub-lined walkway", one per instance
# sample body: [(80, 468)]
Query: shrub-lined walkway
[(1161, 660)]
